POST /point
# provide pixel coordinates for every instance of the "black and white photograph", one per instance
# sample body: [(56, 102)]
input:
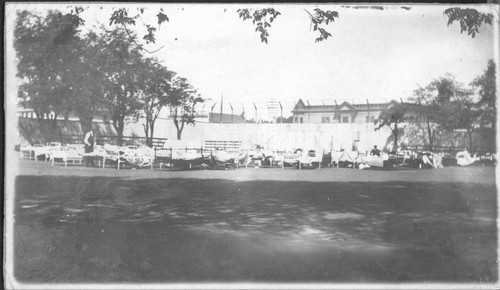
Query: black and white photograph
[(250, 146)]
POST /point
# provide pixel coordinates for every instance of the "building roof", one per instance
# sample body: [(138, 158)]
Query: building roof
[(344, 106), (226, 118)]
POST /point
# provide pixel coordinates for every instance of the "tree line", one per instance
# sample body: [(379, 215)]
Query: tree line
[(444, 106), (64, 70)]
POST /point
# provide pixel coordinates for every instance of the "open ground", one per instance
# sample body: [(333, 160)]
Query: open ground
[(75, 225)]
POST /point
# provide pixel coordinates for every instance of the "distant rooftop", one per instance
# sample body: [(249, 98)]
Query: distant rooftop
[(225, 118), (321, 105)]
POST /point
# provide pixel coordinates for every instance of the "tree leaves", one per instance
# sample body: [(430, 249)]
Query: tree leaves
[(162, 17), (392, 116), (121, 17), (150, 37), (470, 19), (319, 18), (260, 19), (485, 85)]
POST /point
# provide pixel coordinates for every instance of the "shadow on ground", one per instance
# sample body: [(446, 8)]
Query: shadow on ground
[(102, 229)]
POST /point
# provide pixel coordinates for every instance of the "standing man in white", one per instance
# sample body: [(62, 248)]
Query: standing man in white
[(89, 142)]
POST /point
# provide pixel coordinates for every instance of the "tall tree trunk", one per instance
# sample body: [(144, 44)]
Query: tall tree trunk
[(146, 131), (86, 123), (152, 130), (119, 131), (429, 133), (55, 131), (471, 144), (179, 128), (119, 124), (396, 136)]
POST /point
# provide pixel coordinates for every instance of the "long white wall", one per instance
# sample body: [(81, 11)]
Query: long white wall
[(274, 136)]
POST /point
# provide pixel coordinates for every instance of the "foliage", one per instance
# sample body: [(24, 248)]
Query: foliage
[(319, 18), (44, 48), (123, 78), (54, 65), (446, 107), (155, 94), (466, 116), (182, 102), (123, 18), (260, 19), (448, 95), (486, 87), (391, 117), (424, 112), (284, 120), (470, 19)]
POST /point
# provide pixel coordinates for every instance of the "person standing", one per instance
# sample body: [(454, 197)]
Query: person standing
[(375, 151), (89, 141)]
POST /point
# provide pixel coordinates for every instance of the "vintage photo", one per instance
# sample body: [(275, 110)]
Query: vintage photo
[(255, 146)]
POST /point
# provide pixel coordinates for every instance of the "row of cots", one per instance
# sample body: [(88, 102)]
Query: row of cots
[(143, 156)]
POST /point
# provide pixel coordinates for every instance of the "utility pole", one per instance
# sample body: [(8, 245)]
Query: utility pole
[(231, 112), (221, 103), (281, 107), (212, 112), (337, 110), (368, 107), (255, 112)]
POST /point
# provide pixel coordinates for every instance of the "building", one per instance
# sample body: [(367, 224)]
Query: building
[(101, 115), (225, 118), (341, 113)]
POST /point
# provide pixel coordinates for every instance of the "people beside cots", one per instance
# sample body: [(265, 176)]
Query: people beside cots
[(90, 142), (257, 156), (375, 151)]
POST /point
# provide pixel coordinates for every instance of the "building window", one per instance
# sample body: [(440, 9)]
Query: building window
[(345, 119), (301, 120), (325, 119)]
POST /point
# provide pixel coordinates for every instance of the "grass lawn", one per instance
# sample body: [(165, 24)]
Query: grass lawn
[(246, 226)]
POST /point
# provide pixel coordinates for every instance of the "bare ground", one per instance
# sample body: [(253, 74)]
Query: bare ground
[(257, 225)]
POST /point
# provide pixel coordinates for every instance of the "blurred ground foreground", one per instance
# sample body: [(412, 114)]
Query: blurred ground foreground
[(255, 225)]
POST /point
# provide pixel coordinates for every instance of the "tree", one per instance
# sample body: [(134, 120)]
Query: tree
[(155, 95), (445, 92), (467, 115), (470, 19), (453, 107), (121, 64), (426, 109), (486, 87), (90, 72), (391, 117), (182, 101), (284, 120), (46, 48)]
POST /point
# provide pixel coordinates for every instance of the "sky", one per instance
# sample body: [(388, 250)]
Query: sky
[(375, 55)]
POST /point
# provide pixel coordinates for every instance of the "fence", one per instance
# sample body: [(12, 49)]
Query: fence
[(224, 145), (78, 139), (452, 149)]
